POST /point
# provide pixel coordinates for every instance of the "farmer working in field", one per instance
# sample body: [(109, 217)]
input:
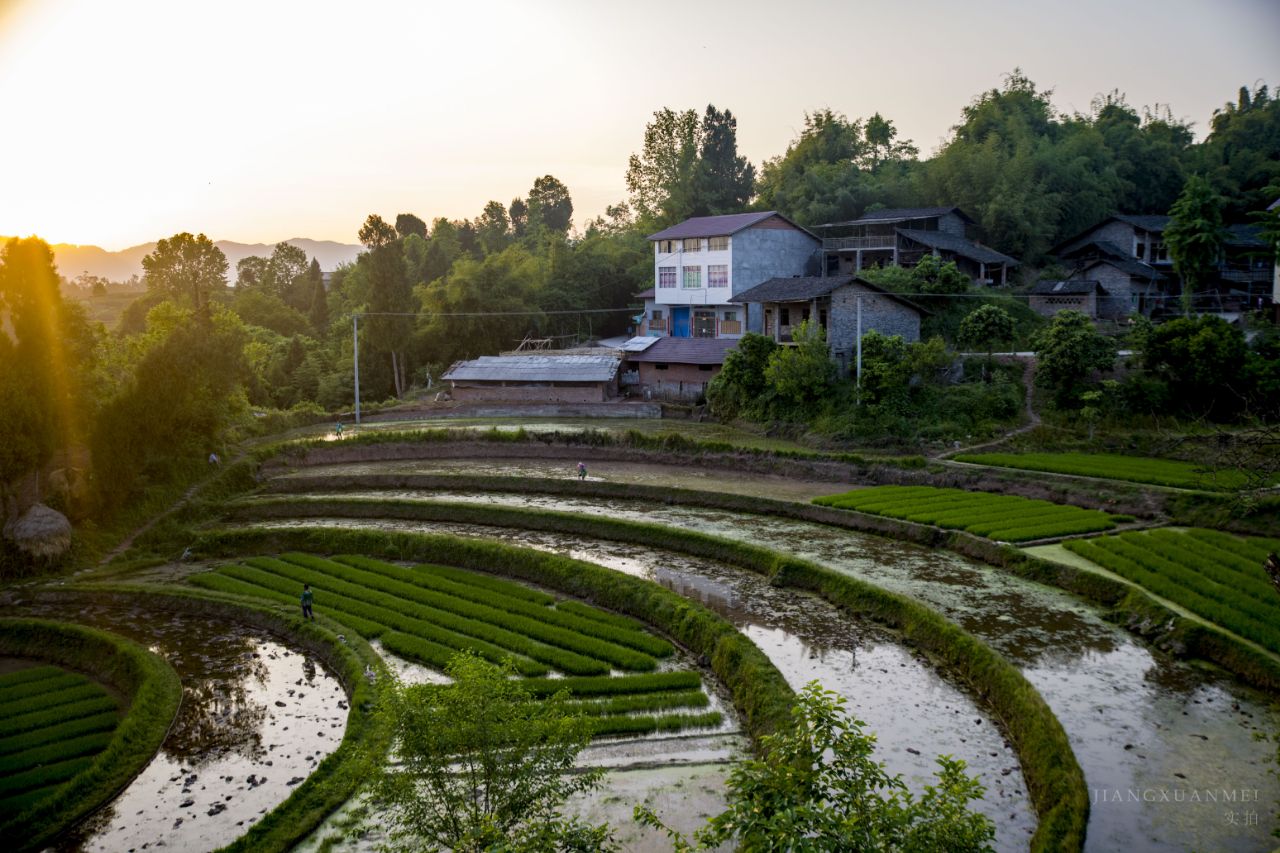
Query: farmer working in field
[(306, 602), (582, 470)]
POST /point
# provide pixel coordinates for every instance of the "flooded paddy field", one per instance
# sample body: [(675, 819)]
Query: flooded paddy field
[(632, 473), (256, 718), (1145, 727), (915, 712)]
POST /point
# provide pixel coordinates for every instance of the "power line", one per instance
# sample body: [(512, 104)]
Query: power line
[(491, 313)]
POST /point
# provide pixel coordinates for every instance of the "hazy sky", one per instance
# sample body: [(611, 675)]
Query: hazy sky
[(130, 120)]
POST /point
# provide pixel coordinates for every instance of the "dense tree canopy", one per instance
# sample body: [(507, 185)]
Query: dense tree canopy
[(187, 268)]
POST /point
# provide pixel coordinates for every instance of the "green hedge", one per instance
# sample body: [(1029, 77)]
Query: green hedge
[(1053, 776), (152, 689)]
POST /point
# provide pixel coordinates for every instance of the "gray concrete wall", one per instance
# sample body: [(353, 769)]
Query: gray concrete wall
[(879, 312), (760, 254), (1046, 305), (587, 393)]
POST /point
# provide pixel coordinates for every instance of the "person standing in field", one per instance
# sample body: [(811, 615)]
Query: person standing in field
[(339, 429), (306, 602), (582, 470)]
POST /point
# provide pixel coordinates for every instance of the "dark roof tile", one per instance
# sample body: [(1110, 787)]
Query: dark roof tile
[(719, 226), (685, 351), (804, 288), (957, 245)]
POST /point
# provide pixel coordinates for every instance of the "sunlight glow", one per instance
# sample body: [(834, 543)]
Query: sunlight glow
[(262, 121)]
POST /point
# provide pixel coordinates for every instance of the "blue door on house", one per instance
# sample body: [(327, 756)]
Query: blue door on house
[(680, 322)]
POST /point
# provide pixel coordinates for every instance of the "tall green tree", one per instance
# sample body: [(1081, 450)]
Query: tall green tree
[(408, 223), (985, 328), (550, 204), (493, 228), (804, 373), (660, 177), (390, 297), (722, 181), (1241, 154), (186, 268), (318, 299), (1194, 236)]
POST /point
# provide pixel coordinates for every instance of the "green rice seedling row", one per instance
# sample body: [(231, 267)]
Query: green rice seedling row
[(51, 716), (54, 698), (636, 639), (40, 777), (1253, 617), (1002, 517), (1194, 579), (31, 687), (1161, 472), (589, 612), (1219, 566), (375, 598), (662, 701), (603, 686), (378, 613), (25, 676), (443, 607), (50, 752), (622, 725), (1255, 550), (1205, 551), (17, 803), (101, 722)]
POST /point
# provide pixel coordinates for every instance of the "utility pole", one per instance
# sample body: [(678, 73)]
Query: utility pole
[(858, 369), (355, 328)]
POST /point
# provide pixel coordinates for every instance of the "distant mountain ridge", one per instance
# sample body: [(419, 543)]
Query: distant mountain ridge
[(72, 260)]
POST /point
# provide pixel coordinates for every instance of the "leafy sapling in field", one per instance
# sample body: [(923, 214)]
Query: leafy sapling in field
[(484, 765), (817, 788)]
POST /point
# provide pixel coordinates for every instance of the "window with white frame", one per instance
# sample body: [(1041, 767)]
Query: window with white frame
[(666, 247), (692, 278), (717, 244), (693, 244), (666, 276), (717, 275)]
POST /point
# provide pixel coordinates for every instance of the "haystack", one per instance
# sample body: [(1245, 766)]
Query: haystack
[(41, 532)]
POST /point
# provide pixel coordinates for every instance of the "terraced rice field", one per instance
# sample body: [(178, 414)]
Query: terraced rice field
[(1114, 466), (1006, 518), (430, 613), (53, 723), (1214, 575)]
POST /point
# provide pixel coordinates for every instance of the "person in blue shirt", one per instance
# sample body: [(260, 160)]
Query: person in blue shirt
[(306, 602)]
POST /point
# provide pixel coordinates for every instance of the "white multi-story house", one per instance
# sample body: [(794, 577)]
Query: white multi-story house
[(700, 263)]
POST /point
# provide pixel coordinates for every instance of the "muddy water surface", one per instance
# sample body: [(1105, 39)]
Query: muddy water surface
[(256, 718), (1163, 743), (914, 712)]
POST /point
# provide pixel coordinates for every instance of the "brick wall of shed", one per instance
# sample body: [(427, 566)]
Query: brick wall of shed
[(678, 382), (596, 392), (760, 254), (879, 312), (1047, 305)]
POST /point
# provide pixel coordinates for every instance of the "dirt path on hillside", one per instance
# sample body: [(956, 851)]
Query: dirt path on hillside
[(127, 543), (1033, 418)]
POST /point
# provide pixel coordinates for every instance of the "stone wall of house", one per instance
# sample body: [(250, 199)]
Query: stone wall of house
[(760, 254), (1121, 291), (879, 312)]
